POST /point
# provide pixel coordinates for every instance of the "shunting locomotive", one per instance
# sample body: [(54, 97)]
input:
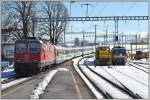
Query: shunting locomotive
[(119, 55), (103, 55)]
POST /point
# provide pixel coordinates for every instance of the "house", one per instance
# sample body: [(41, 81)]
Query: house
[(7, 46)]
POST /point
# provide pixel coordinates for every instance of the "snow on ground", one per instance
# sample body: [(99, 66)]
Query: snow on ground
[(131, 83), (3, 79), (137, 66), (8, 68), (91, 87), (144, 61), (144, 65), (44, 83), (133, 73), (15, 82), (133, 78), (102, 84)]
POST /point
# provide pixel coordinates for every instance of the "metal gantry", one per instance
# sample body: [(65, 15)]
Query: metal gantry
[(100, 18), (107, 18)]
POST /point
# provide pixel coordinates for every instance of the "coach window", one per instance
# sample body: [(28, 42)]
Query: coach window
[(34, 47)]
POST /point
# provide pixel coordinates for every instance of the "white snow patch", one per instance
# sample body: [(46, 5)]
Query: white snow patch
[(102, 84), (134, 79), (44, 83), (15, 82), (91, 87), (3, 79), (63, 69), (8, 70)]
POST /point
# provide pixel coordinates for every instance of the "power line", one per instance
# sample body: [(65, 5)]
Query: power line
[(87, 7), (100, 12), (129, 9)]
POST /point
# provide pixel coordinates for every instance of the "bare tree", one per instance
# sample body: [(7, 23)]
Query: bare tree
[(18, 17), (23, 11), (55, 10)]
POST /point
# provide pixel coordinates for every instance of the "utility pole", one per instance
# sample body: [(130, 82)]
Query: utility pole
[(122, 39), (113, 39), (104, 39), (125, 40), (106, 36), (95, 36), (70, 6), (71, 28), (50, 24), (70, 9), (136, 41), (139, 42), (142, 43), (116, 29), (64, 37), (83, 39), (87, 7)]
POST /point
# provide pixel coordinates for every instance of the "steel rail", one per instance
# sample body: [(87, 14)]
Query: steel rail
[(104, 93), (125, 89), (137, 68)]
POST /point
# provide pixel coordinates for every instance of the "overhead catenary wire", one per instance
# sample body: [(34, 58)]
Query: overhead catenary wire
[(101, 11), (92, 12), (130, 7)]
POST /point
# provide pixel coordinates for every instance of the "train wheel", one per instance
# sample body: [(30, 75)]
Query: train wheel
[(113, 63), (124, 63), (40, 69)]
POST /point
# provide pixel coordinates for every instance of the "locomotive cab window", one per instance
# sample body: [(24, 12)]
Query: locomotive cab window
[(119, 51), (34, 47), (20, 47)]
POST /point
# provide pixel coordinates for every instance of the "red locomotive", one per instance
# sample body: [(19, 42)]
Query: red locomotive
[(32, 56)]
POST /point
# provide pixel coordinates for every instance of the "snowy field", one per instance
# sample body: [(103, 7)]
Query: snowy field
[(124, 76), (142, 61), (133, 78)]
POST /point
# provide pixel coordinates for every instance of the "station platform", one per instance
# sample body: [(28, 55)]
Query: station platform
[(67, 85)]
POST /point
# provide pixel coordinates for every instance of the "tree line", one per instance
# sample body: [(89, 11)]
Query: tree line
[(18, 19)]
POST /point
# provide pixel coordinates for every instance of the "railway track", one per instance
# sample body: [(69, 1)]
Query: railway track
[(141, 65), (13, 77), (96, 88), (114, 82), (24, 89), (144, 69), (140, 62), (119, 86)]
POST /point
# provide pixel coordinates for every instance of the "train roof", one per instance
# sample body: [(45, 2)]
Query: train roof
[(31, 39), (118, 47), (102, 46)]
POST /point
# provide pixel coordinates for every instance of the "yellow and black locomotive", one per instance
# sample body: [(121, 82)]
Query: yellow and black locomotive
[(103, 55)]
